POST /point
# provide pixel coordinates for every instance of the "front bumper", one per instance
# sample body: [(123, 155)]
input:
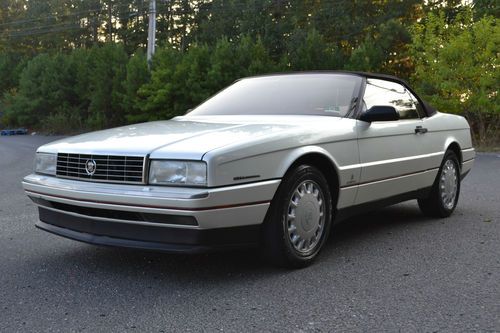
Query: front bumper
[(154, 217), (146, 237)]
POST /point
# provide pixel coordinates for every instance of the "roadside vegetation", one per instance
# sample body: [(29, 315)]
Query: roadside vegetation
[(70, 66)]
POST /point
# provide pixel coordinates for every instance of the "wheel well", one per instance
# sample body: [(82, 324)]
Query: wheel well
[(326, 166), (454, 147)]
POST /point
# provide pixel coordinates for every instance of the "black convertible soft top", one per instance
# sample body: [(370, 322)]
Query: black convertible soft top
[(429, 110)]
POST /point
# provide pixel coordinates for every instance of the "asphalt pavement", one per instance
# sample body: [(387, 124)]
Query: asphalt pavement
[(390, 270)]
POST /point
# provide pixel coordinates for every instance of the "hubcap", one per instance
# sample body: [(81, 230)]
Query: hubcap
[(306, 216), (448, 184)]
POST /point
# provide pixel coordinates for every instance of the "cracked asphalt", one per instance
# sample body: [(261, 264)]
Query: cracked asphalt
[(390, 270)]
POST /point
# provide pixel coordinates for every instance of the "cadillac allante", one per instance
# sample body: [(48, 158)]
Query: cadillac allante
[(270, 162)]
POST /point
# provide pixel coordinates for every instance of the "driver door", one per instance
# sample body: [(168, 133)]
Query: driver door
[(390, 151)]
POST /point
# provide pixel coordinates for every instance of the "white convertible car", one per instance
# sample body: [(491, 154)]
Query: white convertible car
[(271, 161)]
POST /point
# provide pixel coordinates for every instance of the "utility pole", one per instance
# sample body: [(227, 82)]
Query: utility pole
[(151, 31), (110, 22)]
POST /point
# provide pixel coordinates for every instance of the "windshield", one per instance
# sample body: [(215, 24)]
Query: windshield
[(303, 94)]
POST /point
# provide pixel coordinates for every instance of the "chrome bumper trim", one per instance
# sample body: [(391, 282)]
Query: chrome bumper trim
[(97, 218), (229, 206)]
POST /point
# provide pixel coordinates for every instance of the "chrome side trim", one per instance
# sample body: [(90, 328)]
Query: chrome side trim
[(395, 186), (468, 154), (389, 178), (400, 177), (467, 166), (393, 160)]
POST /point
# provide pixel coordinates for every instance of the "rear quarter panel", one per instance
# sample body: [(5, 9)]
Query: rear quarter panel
[(443, 130)]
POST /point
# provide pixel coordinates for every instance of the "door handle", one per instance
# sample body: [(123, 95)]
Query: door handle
[(420, 130)]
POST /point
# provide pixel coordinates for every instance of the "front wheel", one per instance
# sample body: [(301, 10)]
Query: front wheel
[(299, 219), (446, 189)]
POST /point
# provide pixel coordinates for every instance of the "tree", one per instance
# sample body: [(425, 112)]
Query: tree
[(309, 51), (44, 88), (11, 65), (159, 91), (137, 76), (383, 51), (456, 67), (108, 64), (486, 8)]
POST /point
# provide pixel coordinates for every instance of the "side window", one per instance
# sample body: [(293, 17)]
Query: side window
[(381, 92), (418, 106)]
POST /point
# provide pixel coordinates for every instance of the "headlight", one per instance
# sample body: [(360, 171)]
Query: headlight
[(46, 163), (167, 172)]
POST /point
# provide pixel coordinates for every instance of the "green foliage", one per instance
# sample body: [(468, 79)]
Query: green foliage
[(137, 76), (43, 86), (11, 66), (189, 80), (159, 92), (108, 65), (381, 51), (72, 65), (456, 67), (231, 61), (62, 121), (308, 50), (182, 80), (85, 87), (486, 8)]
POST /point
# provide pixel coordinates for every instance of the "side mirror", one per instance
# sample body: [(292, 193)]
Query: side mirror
[(380, 113)]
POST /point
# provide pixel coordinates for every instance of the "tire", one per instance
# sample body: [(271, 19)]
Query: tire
[(445, 191), (298, 221)]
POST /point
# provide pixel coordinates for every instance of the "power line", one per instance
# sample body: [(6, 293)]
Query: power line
[(36, 27), (51, 25), (198, 7), (44, 32), (53, 16), (195, 10)]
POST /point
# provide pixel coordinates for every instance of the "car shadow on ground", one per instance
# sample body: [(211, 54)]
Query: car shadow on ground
[(388, 219)]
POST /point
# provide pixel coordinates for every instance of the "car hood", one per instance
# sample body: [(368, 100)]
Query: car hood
[(181, 137)]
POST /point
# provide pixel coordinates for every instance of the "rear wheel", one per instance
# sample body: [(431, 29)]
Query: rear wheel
[(299, 219), (444, 194)]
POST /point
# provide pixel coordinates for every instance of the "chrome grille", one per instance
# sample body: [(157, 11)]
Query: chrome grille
[(108, 168)]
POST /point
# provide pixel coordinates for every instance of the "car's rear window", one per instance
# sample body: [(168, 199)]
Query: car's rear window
[(304, 94)]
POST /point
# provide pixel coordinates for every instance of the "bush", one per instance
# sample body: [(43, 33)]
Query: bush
[(181, 80), (62, 122), (456, 68), (43, 86), (137, 76), (85, 87), (108, 66), (308, 50)]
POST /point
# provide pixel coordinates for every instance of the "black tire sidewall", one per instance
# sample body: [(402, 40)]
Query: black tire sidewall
[(444, 210), (279, 207)]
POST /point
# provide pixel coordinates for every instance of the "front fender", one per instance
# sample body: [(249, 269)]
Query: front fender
[(297, 153)]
